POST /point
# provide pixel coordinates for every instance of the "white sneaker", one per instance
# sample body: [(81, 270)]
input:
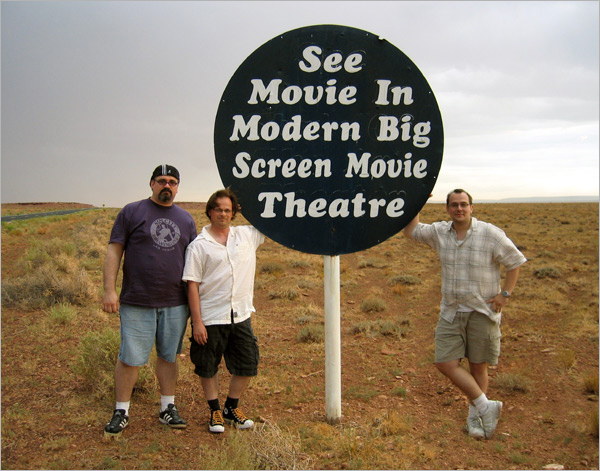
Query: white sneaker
[(474, 427), (216, 424), (489, 420), (237, 418)]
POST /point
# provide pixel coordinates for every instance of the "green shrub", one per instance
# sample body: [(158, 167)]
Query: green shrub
[(62, 313), (96, 361)]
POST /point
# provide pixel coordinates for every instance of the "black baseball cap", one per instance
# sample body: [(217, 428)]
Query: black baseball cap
[(165, 169)]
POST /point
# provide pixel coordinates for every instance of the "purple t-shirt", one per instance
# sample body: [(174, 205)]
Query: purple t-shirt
[(154, 238)]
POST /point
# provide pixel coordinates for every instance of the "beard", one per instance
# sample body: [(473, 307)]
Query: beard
[(165, 196)]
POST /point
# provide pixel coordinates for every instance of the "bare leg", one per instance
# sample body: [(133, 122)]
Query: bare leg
[(166, 372), (125, 378), (479, 371), (461, 378), (238, 385), (210, 387)]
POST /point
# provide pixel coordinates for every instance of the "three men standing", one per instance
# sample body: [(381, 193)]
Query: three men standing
[(162, 254)]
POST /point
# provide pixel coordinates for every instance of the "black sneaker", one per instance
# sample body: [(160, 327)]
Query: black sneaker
[(216, 421), (170, 417), (237, 418), (116, 425)]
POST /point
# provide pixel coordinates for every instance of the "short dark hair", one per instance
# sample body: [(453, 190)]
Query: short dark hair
[(224, 193), (458, 191)]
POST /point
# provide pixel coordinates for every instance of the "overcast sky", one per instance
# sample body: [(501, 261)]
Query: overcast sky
[(96, 94)]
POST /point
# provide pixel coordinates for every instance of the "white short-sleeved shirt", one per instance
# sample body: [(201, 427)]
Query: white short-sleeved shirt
[(225, 273), (470, 267)]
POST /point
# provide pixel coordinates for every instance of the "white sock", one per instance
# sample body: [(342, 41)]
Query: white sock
[(124, 406), (481, 404), (165, 401)]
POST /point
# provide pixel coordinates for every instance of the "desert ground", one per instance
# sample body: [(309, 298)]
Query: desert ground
[(398, 411)]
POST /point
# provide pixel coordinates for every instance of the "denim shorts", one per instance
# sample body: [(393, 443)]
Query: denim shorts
[(471, 335), (143, 327), (236, 342)]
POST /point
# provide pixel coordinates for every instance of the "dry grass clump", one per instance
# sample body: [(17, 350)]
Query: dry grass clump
[(404, 280), (271, 268), (590, 383), (566, 359), (46, 287), (96, 361), (379, 327), (266, 446), (299, 263), (307, 313), (373, 304), (275, 448), (53, 275), (593, 424), (285, 293), (512, 382), (44, 252), (311, 334), (391, 422), (547, 272), (371, 262)]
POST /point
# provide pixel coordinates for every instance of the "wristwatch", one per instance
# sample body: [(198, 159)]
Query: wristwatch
[(506, 294)]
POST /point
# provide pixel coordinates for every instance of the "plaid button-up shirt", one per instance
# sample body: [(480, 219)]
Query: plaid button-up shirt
[(470, 267)]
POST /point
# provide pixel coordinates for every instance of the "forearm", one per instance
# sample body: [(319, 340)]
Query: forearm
[(408, 230), (199, 332), (112, 262), (194, 302), (510, 280)]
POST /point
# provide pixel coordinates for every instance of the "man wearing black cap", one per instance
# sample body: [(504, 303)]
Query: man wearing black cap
[(152, 234)]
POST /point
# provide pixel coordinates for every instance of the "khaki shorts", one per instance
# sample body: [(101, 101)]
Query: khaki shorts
[(471, 335)]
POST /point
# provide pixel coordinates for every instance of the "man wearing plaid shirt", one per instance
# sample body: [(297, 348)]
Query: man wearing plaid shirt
[(473, 295)]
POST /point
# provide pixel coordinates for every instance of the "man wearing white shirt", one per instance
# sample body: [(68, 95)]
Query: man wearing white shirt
[(220, 265)]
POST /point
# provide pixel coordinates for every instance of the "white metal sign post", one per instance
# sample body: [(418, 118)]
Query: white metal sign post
[(332, 140), (333, 346)]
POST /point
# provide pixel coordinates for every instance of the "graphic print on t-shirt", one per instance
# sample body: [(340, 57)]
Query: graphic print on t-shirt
[(165, 232)]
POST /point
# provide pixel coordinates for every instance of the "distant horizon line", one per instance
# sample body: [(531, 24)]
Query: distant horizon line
[(524, 199), (537, 199)]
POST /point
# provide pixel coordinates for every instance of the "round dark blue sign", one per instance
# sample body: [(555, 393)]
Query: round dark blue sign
[(331, 137)]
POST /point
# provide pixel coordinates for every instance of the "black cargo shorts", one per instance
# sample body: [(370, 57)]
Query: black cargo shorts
[(236, 342)]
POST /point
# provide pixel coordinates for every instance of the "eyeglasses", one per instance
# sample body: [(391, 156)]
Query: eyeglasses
[(461, 205), (163, 182)]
